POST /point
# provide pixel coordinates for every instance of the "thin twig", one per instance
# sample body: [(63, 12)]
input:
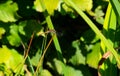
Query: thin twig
[(27, 51), (104, 57), (42, 57)]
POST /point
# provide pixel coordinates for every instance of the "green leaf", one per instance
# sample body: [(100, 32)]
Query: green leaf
[(70, 71), (45, 72), (50, 5), (2, 67), (2, 31), (38, 6), (95, 29), (59, 66), (99, 15), (24, 28), (84, 5), (65, 70), (10, 57), (78, 58), (116, 4), (110, 28), (14, 39), (8, 11), (35, 59), (94, 56)]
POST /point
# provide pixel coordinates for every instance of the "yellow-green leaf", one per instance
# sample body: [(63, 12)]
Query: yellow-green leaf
[(77, 58), (50, 5), (2, 31), (84, 5), (14, 38), (38, 7), (94, 56), (8, 12), (45, 72), (10, 57)]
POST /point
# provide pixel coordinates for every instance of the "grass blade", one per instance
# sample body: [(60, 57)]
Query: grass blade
[(51, 27), (95, 29), (116, 6), (109, 31)]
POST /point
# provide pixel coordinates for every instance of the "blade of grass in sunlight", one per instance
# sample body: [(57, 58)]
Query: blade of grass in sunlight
[(116, 6), (55, 39), (95, 29), (51, 27), (109, 31), (109, 27)]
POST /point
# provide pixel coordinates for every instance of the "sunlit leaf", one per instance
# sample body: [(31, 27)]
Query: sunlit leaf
[(38, 6), (99, 15), (78, 58), (84, 5), (2, 31), (41, 33), (110, 27), (8, 12), (50, 5), (65, 70), (5, 55), (59, 66), (70, 71), (10, 57), (25, 28), (14, 39), (45, 72), (94, 56)]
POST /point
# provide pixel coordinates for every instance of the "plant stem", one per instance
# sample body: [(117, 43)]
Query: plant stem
[(95, 29), (51, 27)]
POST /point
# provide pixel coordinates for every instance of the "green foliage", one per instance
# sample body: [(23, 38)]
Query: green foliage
[(95, 54), (2, 31), (14, 38), (50, 8), (72, 72), (36, 58), (110, 27), (45, 73), (67, 70), (8, 12), (99, 15), (83, 4), (96, 30), (76, 49), (78, 58), (11, 58)]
